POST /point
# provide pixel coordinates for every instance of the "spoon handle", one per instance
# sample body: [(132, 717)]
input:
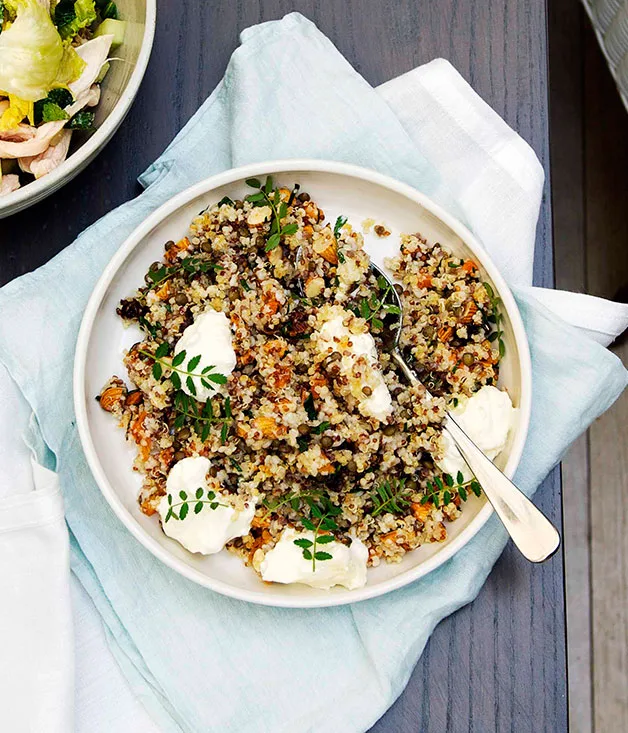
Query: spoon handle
[(531, 531), (535, 536)]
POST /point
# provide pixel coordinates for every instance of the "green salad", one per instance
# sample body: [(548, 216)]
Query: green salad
[(53, 58)]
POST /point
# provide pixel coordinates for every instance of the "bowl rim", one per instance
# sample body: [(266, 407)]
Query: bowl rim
[(138, 235), (40, 188)]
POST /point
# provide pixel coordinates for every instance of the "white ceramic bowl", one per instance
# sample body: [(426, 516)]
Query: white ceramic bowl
[(338, 188), (117, 94)]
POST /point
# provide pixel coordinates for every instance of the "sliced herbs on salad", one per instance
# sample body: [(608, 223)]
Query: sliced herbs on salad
[(53, 58)]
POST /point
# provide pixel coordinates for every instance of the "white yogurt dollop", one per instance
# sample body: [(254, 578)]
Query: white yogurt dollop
[(486, 417), (210, 338), (208, 531), (285, 563), (332, 334)]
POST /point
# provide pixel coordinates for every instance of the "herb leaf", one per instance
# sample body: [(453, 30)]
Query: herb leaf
[(267, 196), (391, 496), (458, 486), (303, 542), (184, 505), (340, 222), (325, 539), (273, 241), (194, 362), (322, 510), (495, 317)]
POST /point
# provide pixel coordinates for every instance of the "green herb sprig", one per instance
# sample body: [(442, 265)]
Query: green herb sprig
[(208, 377), (340, 222), (391, 496), (310, 408), (267, 196), (321, 427), (496, 318), (186, 406), (190, 265), (323, 514), (295, 499), (444, 489), (370, 308), (202, 419), (197, 502), (148, 327)]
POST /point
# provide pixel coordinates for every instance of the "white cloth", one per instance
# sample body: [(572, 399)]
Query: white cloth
[(475, 152), (36, 660)]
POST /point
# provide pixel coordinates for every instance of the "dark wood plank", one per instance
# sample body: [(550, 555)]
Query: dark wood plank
[(606, 160), (499, 664), (606, 187), (566, 25), (498, 45)]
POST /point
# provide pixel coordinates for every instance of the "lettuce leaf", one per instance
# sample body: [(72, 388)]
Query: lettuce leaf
[(70, 68), (84, 15), (31, 53), (7, 12), (18, 110)]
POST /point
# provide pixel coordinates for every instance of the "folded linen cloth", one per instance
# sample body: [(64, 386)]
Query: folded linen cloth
[(200, 661), (37, 655)]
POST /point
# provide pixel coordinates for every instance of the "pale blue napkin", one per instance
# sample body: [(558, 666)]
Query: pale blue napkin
[(199, 661)]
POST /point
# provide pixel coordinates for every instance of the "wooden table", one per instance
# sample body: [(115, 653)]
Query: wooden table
[(499, 664)]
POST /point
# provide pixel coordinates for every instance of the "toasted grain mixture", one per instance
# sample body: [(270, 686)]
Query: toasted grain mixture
[(296, 435)]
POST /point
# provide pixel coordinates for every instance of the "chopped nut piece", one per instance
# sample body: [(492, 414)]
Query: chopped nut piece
[(258, 215), (133, 398), (470, 309), (324, 244), (314, 287), (112, 396)]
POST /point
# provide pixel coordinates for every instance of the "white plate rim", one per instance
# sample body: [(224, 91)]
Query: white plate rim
[(255, 170)]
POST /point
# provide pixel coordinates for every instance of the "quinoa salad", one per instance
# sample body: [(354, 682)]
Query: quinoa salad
[(269, 416)]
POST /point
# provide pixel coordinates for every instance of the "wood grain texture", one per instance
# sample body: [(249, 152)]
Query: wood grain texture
[(566, 25), (609, 565), (498, 665), (606, 190)]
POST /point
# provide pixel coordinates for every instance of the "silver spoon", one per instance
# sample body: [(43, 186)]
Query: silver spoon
[(530, 530)]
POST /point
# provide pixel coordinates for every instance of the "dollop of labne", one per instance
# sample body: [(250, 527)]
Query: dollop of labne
[(210, 338), (285, 563), (335, 336), (486, 417), (208, 531)]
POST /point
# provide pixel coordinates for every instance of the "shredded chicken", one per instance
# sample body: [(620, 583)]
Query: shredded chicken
[(88, 98), (19, 134), (40, 165), (35, 145), (9, 183), (94, 53)]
